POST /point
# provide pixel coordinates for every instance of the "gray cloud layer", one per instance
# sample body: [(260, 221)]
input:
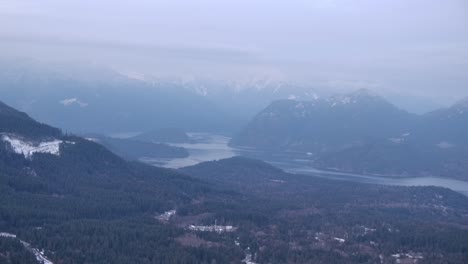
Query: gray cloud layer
[(403, 47)]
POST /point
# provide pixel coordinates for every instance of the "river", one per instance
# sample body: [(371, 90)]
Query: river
[(215, 147)]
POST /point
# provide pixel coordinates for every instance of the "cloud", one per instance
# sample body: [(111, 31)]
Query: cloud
[(185, 51), (73, 101), (415, 47)]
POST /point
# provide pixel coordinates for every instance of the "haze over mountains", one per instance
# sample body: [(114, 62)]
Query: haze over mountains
[(89, 98), (99, 100), (80, 187), (233, 132), (357, 132), (362, 132), (93, 99)]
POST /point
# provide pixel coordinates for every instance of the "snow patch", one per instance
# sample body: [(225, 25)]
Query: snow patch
[(445, 145), (212, 228), (411, 256), (72, 101), (345, 100), (27, 148), (277, 181), (369, 230), (203, 91), (300, 105), (341, 100), (400, 139), (341, 240), (248, 259), (166, 216), (7, 235), (396, 140), (315, 97), (39, 254)]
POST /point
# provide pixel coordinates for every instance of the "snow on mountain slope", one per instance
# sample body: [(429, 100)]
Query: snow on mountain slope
[(73, 101), (39, 254), (28, 148)]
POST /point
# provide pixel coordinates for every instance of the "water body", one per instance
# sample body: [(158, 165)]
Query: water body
[(208, 147), (215, 147)]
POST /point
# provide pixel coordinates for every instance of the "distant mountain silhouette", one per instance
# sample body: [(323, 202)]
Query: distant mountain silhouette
[(362, 132)]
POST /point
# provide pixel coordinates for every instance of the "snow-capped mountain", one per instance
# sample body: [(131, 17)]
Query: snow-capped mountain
[(243, 99), (362, 132), (461, 107), (325, 123), (104, 101), (447, 126)]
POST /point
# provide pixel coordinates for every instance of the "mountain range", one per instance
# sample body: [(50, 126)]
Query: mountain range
[(66, 199), (84, 99), (83, 204), (362, 132)]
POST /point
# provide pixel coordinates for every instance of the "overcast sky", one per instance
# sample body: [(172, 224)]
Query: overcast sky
[(408, 47)]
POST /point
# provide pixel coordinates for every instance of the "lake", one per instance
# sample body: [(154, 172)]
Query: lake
[(214, 147)]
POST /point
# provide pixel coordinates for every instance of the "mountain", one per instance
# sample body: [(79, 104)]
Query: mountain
[(164, 135), (81, 203), (363, 133), (238, 172), (91, 99), (66, 199), (12, 120), (324, 124), (437, 145), (244, 98), (448, 127)]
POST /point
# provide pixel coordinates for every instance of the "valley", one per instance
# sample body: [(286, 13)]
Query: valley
[(84, 204), (233, 132), (363, 133), (210, 147)]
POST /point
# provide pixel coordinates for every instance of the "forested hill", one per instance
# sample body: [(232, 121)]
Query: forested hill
[(13, 121), (363, 133), (84, 100), (303, 219), (83, 204)]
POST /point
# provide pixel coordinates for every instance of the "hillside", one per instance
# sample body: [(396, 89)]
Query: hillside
[(363, 133), (13, 121), (304, 219), (81, 203), (73, 201), (87, 99)]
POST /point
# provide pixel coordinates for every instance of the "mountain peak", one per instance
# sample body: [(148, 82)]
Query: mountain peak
[(6, 110), (364, 93), (359, 96), (16, 122), (463, 103)]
